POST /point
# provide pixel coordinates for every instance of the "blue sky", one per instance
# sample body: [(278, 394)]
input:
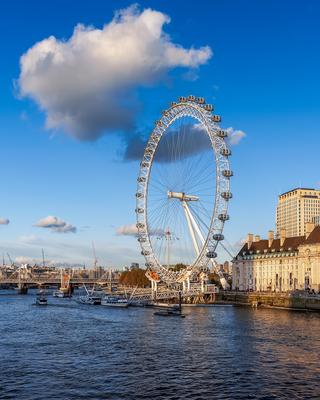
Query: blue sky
[(262, 79)]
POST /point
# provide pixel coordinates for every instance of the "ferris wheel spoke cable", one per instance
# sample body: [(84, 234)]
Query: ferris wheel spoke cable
[(226, 250), (206, 175), (155, 186), (200, 176)]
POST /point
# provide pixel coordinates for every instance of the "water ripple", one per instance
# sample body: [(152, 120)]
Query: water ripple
[(71, 352)]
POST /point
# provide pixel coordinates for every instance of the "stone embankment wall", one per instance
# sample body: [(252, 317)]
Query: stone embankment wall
[(301, 302)]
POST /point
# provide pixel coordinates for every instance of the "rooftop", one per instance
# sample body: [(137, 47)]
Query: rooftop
[(299, 188), (290, 244)]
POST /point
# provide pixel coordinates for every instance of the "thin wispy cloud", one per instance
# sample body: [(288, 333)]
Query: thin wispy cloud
[(132, 230), (127, 230), (55, 224), (87, 85)]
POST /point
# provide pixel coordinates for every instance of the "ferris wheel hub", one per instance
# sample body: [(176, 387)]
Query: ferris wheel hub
[(182, 196)]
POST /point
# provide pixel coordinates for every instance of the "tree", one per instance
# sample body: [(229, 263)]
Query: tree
[(135, 277), (178, 267)]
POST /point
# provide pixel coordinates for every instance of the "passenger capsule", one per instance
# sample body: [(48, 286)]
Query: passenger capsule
[(139, 195), (227, 173), (226, 195), (223, 217), (191, 98), (221, 133), (208, 107), (144, 164), (148, 265), (225, 152), (142, 239), (200, 100), (139, 210), (216, 118), (141, 179), (139, 225), (173, 103), (145, 252), (211, 254), (218, 236), (182, 99)]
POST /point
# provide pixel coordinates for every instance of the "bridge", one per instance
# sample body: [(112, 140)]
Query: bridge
[(193, 295), (26, 276)]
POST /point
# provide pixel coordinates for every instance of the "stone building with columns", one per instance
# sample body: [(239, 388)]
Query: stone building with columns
[(279, 264)]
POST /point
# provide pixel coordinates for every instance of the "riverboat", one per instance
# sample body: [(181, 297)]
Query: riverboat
[(114, 301), (61, 293), (89, 298), (41, 299)]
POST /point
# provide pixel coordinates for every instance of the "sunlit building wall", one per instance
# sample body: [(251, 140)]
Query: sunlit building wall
[(296, 208), (279, 265)]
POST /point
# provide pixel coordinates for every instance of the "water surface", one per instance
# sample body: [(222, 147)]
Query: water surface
[(70, 351)]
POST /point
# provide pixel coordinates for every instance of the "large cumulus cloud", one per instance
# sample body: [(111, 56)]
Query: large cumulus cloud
[(195, 140), (86, 85)]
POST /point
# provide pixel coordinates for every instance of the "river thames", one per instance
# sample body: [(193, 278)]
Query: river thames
[(70, 351)]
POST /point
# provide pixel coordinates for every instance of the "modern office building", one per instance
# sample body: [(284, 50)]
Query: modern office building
[(295, 209), (316, 220)]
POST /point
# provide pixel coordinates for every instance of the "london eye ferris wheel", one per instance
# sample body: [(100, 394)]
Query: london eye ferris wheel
[(183, 190)]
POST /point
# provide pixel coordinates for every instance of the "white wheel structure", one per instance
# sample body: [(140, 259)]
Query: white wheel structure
[(184, 189)]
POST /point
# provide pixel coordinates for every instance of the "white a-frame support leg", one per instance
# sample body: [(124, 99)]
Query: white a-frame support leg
[(190, 226), (195, 225)]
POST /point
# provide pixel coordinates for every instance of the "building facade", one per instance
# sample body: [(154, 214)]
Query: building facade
[(279, 265), (316, 220), (295, 209)]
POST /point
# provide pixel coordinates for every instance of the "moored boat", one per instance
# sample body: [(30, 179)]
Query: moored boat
[(61, 293), (114, 301), (41, 299), (89, 298)]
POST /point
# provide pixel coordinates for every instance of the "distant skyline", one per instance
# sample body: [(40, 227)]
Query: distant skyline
[(82, 85)]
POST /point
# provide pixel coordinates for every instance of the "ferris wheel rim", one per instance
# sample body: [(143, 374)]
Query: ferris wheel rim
[(190, 107)]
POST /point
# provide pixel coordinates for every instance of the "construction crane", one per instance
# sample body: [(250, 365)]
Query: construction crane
[(10, 259)]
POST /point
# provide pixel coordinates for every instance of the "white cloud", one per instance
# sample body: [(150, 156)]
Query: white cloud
[(55, 224), (235, 136), (127, 230), (87, 84), (24, 260), (132, 230), (4, 221), (193, 143)]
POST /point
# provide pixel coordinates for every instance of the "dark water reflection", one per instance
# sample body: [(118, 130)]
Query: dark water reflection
[(68, 351)]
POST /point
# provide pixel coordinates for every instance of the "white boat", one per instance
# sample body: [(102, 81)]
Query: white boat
[(89, 298), (41, 299), (114, 301), (61, 293)]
